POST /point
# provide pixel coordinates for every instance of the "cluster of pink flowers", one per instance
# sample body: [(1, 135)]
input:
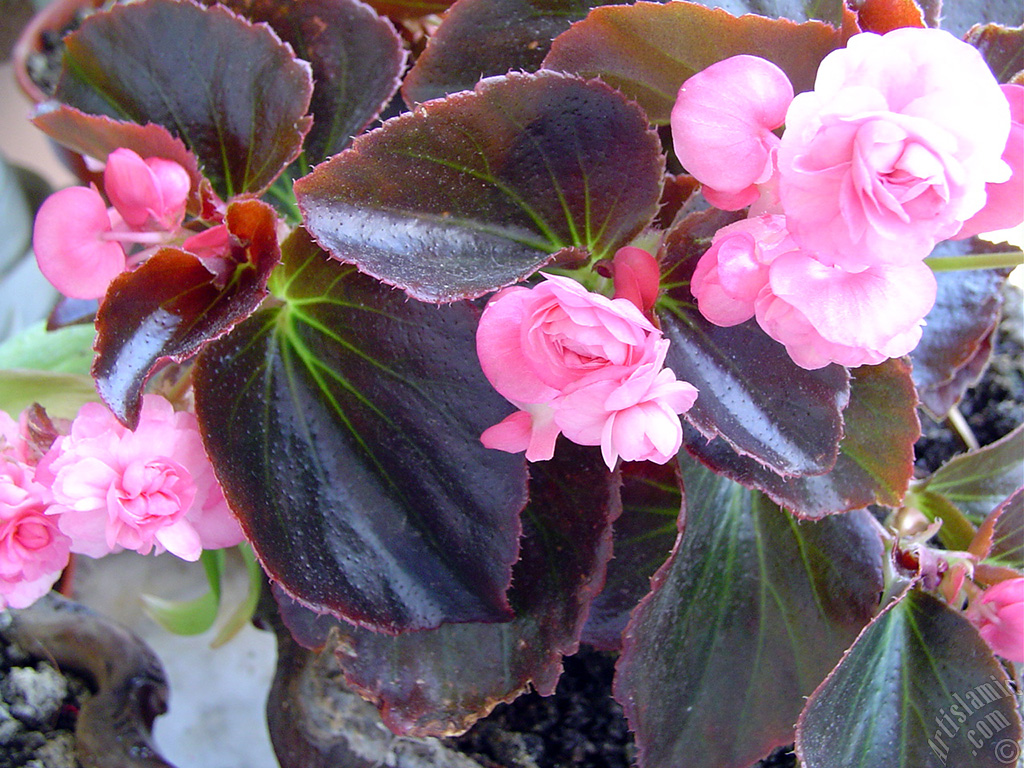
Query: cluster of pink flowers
[(103, 488), (81, 245), (905, 141), (580, 364)]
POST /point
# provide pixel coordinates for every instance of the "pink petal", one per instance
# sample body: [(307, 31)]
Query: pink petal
[(132, 187), (180, 539), (69, 245), (499, 347), (723, 119), (855, 309), (1004, 206)]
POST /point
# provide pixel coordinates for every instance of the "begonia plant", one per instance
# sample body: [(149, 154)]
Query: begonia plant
[(547, 322)]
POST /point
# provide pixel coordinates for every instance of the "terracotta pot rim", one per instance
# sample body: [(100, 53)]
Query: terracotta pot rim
[(56, 15)]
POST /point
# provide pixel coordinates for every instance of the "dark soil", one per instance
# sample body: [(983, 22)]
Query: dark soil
[(44, 66), (39, 705), (995, 405)]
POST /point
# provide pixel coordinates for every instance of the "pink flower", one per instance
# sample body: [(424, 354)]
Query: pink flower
[(722, 125), (999, 617), (892, 150), (632, 416), (148, 193), (825, 314), (534, 342), (80, 244), (73, 242), (581, 363), (151, 489), (1004, 206), (732, 272), (33, 552)]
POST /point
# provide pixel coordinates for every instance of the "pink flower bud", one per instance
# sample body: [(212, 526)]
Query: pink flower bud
[(636, 276), (147, 193)]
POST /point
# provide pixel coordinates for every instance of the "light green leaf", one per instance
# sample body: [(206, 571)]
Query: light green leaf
[(191, 617), (243, 613), (66, 350), (61, 394)]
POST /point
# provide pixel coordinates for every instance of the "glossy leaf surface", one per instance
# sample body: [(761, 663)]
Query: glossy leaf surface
[(747, 617), (648, 50), (440, 681), (919, 689), (758, 400), (356, 56), (176, 302), (876, 454), (480, 38), (644, 534), (957, 334), (231, 90), (476, 191), (344, 426)]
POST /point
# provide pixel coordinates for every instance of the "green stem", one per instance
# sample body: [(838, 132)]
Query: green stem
[(976, 261)]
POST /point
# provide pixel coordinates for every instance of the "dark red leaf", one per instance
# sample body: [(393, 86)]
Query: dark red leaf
[(752, 395), (746, 618), (476, 191), (440, 682), (344, 426), (174, 303), (232, 91)]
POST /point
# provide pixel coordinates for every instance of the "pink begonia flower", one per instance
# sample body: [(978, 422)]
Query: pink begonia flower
[(534, 342), (148, 193), (80, 244), (1004, 206), (892, 150), (72, 240), (630, 414), (722, 125), (999, 616), (33, 552), (539, 346), (732, 272), (825, 314), (151, 489)]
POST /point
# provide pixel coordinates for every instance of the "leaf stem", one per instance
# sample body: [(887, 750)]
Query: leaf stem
[(962, 428), (976, 261)]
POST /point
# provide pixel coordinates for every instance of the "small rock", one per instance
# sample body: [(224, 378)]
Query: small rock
[(58, 751), (10, 726), (34, 696)]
